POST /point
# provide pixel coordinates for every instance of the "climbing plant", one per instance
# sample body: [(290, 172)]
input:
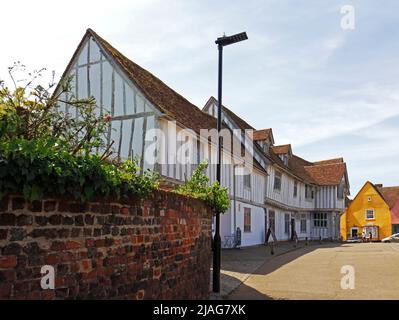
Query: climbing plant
[(199, 186)]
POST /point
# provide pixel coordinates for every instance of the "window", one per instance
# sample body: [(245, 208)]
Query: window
[(247, 181), (309, 194), (198, 151), (277, 181), (295, 188), (303, 223), (272, 220), (340, 191), (285, 159), (369, 199), (287, 223), (370, 214), (320, 220), (247, 220)]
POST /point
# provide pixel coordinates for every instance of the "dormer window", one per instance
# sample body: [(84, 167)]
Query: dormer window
[(284, 158), (265, 147)]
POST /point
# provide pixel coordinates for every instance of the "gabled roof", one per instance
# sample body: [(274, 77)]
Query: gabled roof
[(390, 195), (156, 91), (330, 161), (241, 123), (361, 189), (283, 149), (327, 174), (263, 134)]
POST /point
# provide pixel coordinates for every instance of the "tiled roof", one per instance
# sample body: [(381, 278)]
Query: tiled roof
[(298, 166), (330, 161), (283, 149), (262, 134), (166, 99), (157, 92), (326, 174), (390, 194), (320, 174)]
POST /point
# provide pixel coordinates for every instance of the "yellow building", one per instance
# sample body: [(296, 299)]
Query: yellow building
[(368, 212)]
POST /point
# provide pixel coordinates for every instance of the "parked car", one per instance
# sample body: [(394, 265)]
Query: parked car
[(393, 238)]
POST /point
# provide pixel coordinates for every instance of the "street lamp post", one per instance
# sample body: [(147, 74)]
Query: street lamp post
[(221, 42)]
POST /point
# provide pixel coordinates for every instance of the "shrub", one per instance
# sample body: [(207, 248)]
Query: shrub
[(198, 186), (47, 152), (43, 167)]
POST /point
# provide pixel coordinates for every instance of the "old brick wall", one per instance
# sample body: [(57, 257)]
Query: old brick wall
[(158, 248)]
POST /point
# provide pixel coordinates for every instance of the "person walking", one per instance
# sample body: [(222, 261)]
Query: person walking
[(370, 236), (363, 236)]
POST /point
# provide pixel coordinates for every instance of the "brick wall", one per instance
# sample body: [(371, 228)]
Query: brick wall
[(158, 248)]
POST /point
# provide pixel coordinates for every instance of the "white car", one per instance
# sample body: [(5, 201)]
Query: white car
[(393, 238)]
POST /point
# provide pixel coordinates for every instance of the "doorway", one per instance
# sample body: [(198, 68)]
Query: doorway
[(354, 232)]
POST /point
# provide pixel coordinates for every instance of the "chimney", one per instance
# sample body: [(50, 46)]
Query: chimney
[(379, 185)]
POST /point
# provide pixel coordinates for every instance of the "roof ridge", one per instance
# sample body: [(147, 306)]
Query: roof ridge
[(325, 164), (162, 96), (137, 65)]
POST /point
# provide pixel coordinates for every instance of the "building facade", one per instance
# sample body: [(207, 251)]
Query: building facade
[(268, 185), (302, 198), (374, 210)]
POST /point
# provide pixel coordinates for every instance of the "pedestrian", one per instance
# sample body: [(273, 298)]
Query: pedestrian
[(363, 236), (370, 236)]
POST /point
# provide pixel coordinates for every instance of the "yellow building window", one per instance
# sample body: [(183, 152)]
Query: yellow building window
[(370, 214)]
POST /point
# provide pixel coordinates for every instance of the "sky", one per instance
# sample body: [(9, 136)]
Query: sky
[(329, 91)]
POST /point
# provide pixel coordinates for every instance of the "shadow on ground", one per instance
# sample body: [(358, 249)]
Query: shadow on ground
[(239, 264)]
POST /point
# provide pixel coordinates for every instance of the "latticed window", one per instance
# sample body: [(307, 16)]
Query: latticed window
[(277, 181), (247, 181), (370, 214), (320, 220)]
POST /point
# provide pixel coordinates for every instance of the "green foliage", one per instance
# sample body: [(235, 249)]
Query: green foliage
[(47, 152), (43, 167), (197, 186), (33, 112)]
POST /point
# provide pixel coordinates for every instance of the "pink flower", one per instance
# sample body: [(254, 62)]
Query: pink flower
[(108, 118)]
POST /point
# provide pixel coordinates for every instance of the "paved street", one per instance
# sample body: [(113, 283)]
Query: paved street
[(314, 272), (239, 264)]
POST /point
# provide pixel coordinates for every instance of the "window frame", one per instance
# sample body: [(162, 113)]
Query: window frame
[(247, 181), (295, 189), (320, 220), (303, 221), (367, 211), (280, 177), (247, 218), (287, 223), (340, 191)]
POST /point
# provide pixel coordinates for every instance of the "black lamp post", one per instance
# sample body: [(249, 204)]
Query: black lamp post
[(221, 42)]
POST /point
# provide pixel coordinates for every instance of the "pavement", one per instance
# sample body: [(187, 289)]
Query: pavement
[(315, 272), (237, 265)]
